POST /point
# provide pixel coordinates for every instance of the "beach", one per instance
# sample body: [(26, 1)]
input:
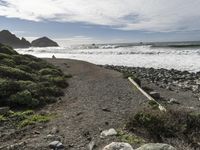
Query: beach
[(96, 99), (99, 75)]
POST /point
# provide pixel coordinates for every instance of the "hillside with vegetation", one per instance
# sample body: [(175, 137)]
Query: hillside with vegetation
[(27, 81)]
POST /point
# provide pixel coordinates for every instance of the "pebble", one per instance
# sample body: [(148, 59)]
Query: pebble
[(173, 101), (56, 145), (109, 132), (53, 137)]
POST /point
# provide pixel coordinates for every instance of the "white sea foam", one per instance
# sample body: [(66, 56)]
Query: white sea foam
[(137, 56)]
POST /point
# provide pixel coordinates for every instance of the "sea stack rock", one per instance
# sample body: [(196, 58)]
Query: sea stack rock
[(7, 38), (44, 42)]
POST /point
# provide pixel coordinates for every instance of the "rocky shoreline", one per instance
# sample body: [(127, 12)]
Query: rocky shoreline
[(173, 80)]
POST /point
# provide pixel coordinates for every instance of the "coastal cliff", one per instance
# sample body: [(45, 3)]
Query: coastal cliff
[(7, 38)]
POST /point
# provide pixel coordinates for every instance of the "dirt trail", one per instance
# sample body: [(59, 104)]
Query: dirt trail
[(97, 99)]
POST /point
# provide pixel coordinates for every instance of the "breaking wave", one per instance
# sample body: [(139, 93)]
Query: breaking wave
[(184, 58)]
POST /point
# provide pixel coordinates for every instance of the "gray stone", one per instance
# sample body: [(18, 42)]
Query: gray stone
[(156, 146), (56, 145), (109, 132), (50, 136), (173, 101), (53, 137), (118, 146)]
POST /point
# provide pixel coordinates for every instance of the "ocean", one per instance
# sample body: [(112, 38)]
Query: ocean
[(180, 56)]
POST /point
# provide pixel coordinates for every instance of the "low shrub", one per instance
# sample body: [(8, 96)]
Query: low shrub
[(7, 50), (22, 119), (24, 98), (50, 71), (44, 91), (25, 68), (153, 104), (27, 81), (14, 73), (129, 138), (20, 115), (2, 118), (5, 56), (7, 62), (33, 120), (8, 87), (68, 76), (34, 65), (59, 81), (171, 124), (20, 59)]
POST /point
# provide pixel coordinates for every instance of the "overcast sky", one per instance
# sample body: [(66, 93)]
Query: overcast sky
[(89, 21)]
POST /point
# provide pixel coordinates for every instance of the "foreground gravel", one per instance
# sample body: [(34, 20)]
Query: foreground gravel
[(96, 99)]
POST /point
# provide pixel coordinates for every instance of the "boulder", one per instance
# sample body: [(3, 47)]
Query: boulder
[(118, 146), (156, 146)]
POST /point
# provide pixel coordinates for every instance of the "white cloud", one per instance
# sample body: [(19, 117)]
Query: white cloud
[(147, 15)]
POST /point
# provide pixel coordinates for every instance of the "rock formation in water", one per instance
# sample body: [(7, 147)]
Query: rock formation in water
[(44, 42)]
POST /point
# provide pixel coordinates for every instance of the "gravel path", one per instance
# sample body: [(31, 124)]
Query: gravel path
[(97, 99)]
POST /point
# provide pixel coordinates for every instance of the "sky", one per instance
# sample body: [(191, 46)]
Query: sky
[(102, 21)]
